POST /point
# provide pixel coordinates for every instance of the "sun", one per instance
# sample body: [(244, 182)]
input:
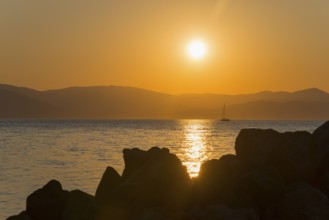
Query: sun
[(197, 49)]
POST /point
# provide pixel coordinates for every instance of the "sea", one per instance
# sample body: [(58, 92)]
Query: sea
[(77, 152)]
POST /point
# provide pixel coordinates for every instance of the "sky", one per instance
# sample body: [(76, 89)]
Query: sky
[(252, 45)]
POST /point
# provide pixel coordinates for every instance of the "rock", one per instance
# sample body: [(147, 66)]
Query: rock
[(321, 138), (258, 189), (162, 178), (323, 183), (47, 202), (303, 202), (158, 180), (161, 173), (21, 216), (298, 160), (110, 180), (216, 178), (323, 164), (292, 152), (220, 212), (134, 159), (79, 206), (153, 215), (256, 147)]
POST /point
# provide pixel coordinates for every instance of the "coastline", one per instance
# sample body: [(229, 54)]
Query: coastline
[(270, 172)]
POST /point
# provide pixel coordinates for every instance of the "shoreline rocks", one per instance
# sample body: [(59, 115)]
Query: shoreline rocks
[(273, 176)]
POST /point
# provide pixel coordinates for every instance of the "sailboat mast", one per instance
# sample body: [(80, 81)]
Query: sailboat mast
[(224, 114)]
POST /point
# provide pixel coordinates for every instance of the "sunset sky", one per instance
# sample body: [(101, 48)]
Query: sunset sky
[(252, 45)]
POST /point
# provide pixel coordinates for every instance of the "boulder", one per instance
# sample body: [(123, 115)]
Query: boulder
[(79, 206), (298, 160), (303, 201), (158, 180), (21, 216), (322, 183), (323, 161), (153, 214), (134, 159), (258, 189), (220, 212), (292, 153), (47, 202), (256, 147), (160, 176), (321, 138), (216, 178), (110, 180)]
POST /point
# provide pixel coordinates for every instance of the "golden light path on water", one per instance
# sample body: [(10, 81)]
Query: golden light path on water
[(194, 145)]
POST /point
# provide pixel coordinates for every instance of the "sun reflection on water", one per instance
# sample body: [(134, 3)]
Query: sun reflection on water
[(194, 146)]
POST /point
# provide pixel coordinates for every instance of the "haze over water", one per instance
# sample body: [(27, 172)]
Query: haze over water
[(77, 152)]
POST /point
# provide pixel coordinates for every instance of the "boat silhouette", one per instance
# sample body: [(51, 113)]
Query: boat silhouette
[(224, 118)]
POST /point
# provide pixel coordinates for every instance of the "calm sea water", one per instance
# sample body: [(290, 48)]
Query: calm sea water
[(77, 152)]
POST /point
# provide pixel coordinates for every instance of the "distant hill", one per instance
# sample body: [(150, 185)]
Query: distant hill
[(116, 102), (19, 104)]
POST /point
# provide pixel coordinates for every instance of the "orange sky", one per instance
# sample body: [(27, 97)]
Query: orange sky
[(253, 45)]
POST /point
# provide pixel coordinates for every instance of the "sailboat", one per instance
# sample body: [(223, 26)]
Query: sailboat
[(223, 116)]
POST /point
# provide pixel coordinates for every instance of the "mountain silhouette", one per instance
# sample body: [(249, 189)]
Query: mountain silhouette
[(118, 102)]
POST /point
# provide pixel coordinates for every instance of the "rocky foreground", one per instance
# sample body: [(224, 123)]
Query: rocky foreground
[(273, 176)]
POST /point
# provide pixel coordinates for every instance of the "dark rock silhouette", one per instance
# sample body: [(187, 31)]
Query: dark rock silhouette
[(321, 140), (152, 178), (292, 152), (20, 216), (47, 202), (79, 206), (216, 178), (224, 213), (273, 176), (297, 160), (110, 180), (303, 201), (134, 159), (258, 189), (257, 148), (51, 202), (322, 183)]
